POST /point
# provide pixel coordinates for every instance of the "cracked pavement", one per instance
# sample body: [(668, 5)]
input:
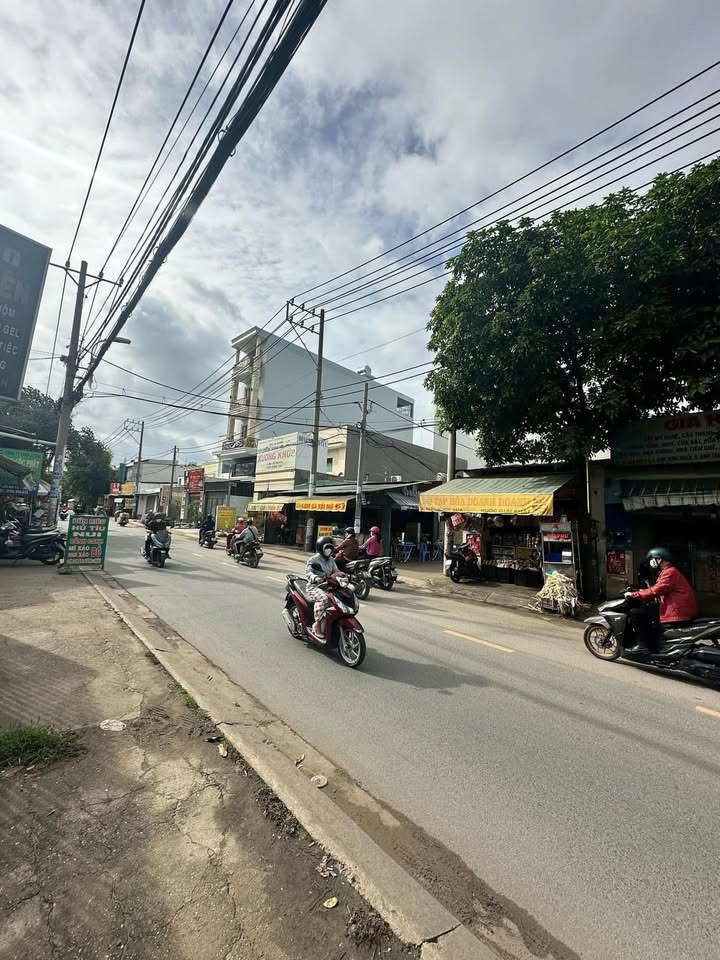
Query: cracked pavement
[(150, 844)]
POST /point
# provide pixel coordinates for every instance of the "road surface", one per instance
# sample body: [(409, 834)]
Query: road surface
[(584, 792)]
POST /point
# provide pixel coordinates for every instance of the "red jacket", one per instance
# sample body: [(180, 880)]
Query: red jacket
[(677, 599)]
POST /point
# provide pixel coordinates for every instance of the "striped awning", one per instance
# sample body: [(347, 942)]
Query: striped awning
[(676, 492)]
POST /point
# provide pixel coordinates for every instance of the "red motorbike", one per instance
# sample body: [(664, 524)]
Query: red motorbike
[(343, 630)]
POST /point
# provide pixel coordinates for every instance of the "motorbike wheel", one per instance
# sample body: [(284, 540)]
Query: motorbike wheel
[(362, 589), (455, 574), (161, 560), (601, 642), (56, 555), (351, 647), (388, 582), (209, 544), (253, 560)]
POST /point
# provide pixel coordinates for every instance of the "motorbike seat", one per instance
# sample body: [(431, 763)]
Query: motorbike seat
[(301, 585), (694, 629)]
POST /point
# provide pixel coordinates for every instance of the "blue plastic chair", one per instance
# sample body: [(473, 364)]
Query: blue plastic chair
[(408, 549), (423, 551)]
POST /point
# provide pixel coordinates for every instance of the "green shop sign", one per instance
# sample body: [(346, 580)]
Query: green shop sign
[(86, 541), (20, 471)]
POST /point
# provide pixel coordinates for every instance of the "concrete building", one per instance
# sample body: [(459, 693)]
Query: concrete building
[(154, 474), (466, 446), (272, 393)]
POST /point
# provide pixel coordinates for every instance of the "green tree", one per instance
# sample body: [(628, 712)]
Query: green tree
[(549, 335), (87, 467), (34, 413)]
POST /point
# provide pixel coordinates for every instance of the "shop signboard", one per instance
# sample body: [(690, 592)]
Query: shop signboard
[(526, 504), (114, 489), (11, 481), (266, 506), (194, 480), (225, 517), (127, 489), (687, 438), (325, 530), (86, 541), (322, 506), (23, 265), (292, 451)]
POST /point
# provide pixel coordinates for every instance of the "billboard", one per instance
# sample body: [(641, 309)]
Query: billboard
[(24, 481), (292, 451), (686, 438), (23, 265), (194, 480)]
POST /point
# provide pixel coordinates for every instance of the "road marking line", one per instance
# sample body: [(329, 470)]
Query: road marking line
[(485, 643), (276, 579), (709, 711)]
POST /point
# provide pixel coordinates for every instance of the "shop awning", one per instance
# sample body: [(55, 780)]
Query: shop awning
[(405, 501), (324, 504), (676, 492), (269, 505), (526, 495)]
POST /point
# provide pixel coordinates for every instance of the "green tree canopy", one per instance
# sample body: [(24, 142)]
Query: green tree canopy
[(87, 467), (549, 335)]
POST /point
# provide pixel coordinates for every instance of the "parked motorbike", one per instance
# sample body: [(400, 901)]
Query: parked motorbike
[(463, 564), (250, 556), (17, 543), (343, 630), (382, 572), (208, 539), (357, 572), (159, 548), (694, 649)]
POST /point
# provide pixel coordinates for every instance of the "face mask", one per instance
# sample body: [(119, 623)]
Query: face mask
[(327, 551), (654, 563)]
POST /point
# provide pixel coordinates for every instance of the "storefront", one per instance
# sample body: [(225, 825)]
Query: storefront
[(521, 526), (274, 518)]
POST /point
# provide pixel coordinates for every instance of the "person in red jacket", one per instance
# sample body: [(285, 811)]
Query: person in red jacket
[(678, 605)]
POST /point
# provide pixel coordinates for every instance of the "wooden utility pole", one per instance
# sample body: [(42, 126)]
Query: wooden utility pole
[(452, 442), (172, 483)]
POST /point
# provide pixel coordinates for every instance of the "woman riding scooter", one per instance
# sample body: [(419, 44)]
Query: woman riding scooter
[(678, 606), (318, 570)]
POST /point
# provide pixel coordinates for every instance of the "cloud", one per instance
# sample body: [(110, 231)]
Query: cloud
[(391, 117)]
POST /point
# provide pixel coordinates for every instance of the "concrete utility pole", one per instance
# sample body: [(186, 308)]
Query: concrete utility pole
[(363, 425), (138, 468), (66, 406), (452, 439), (172, 482), (310, 523)]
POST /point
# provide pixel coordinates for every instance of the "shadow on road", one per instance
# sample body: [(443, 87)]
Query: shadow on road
[(423, 676)]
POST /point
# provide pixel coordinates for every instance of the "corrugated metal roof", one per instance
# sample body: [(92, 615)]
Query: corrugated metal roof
[(543, 483)]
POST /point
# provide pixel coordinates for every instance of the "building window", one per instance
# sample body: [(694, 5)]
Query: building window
[(329, 465), (405, 407)]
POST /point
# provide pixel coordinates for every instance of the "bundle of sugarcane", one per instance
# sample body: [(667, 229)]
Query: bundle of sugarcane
[(560, 595)]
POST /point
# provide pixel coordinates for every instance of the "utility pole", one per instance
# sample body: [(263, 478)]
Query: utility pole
[(138, 468), (310, 523), (66, 405), (452, 438), (363, 425), (172, 482)]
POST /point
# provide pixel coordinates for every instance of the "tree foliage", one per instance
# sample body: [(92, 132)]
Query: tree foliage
[(34, 413), (87, 467), (549, 335)]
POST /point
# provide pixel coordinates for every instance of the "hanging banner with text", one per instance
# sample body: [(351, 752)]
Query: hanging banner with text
[(86, 541), (23, 265)]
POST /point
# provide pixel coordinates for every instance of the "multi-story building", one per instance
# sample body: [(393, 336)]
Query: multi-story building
[(272, 393)]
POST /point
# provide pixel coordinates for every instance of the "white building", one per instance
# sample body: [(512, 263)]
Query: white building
[(466, 446)]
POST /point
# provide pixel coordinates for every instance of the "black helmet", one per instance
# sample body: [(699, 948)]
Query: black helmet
[(324, 542), (150, 515), (350, 531)]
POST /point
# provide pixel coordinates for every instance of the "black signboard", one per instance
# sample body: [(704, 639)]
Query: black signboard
[(23, 265)]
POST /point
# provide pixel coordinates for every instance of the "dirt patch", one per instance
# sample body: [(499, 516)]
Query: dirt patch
[(154, 845)]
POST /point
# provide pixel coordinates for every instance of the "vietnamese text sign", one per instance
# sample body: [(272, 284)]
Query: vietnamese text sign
[(688, 438), (23, 265), (325, 530), (194, 480), (322, 506), (527, 504), (225, 518), (292, 451), (12, 483), (86, 541)]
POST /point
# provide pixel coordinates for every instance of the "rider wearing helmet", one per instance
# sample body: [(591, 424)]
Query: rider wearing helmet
[(373, 545), (318, 570), (678, 606), (208, 525), (153, 523), (350, 547)]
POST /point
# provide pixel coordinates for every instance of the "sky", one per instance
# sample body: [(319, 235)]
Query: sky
[(391, 118)]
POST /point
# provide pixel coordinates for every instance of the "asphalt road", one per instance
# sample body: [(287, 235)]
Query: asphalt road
[(585, 792)]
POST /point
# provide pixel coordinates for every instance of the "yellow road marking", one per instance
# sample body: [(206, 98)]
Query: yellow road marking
[(485, 643), (710, 712)]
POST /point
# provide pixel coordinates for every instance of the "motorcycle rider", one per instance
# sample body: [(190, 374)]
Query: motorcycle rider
[(317, 570), (153, 523), (243, 540), (237, 529), (349, 549), (373, 545), (208, 525), (678, 606)]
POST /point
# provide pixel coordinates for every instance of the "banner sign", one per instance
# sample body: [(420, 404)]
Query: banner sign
[(12, 481), (322, 506), (687, 438), (86, 541), (266, 506), (127, 489), (527, 504), (23, 265), (292, 451), (325, 529), (194, 480), (225, 518)]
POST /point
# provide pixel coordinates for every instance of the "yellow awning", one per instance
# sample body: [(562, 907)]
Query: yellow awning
[(266, 506), (334, 505), (524, 495)]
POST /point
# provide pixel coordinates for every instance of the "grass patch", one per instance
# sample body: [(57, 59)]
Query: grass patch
[(22, 746), (189, 701)]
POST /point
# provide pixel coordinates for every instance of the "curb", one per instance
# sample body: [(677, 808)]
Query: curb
[(413, 914)]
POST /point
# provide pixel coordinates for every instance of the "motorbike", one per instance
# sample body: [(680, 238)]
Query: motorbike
[(159, 548), (382, 572), (692, 649), (250, 556), (357, 572), (17, 543), (463, 564), (343, 630), (208, 539), (123, 519)]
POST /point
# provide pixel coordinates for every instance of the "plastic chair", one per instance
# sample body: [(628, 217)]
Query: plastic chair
[(407, 550), (423, 551)]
